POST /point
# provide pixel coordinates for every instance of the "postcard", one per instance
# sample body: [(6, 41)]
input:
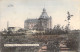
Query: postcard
[(39, 26)]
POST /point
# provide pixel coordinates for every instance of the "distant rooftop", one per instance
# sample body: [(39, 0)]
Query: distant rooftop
[(31, 20)]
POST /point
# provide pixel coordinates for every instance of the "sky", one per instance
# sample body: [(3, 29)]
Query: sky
[(17, 11)]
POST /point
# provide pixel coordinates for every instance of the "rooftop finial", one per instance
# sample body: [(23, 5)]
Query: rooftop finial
[(44, 10)]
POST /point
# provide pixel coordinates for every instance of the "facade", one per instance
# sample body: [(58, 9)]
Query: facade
[(44, 22), (30, 24)]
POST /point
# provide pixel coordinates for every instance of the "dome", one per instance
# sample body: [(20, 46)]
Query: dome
[(44, 10), (44, 14)]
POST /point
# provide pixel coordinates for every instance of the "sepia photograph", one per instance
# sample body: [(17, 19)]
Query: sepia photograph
[(39, 25)]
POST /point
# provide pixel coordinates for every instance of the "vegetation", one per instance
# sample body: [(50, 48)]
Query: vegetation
[(57, 30), (73, 41)]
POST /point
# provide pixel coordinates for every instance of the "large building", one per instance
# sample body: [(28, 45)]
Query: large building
[(30, 24), (44, 22)]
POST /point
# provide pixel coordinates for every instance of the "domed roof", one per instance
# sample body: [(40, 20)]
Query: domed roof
[(44, 9), (44, 14)]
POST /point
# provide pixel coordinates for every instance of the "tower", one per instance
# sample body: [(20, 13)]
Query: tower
[(7, 25), (45, 22)]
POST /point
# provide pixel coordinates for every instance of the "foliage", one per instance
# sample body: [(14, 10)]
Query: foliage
[(57, 30), (73, 41)]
